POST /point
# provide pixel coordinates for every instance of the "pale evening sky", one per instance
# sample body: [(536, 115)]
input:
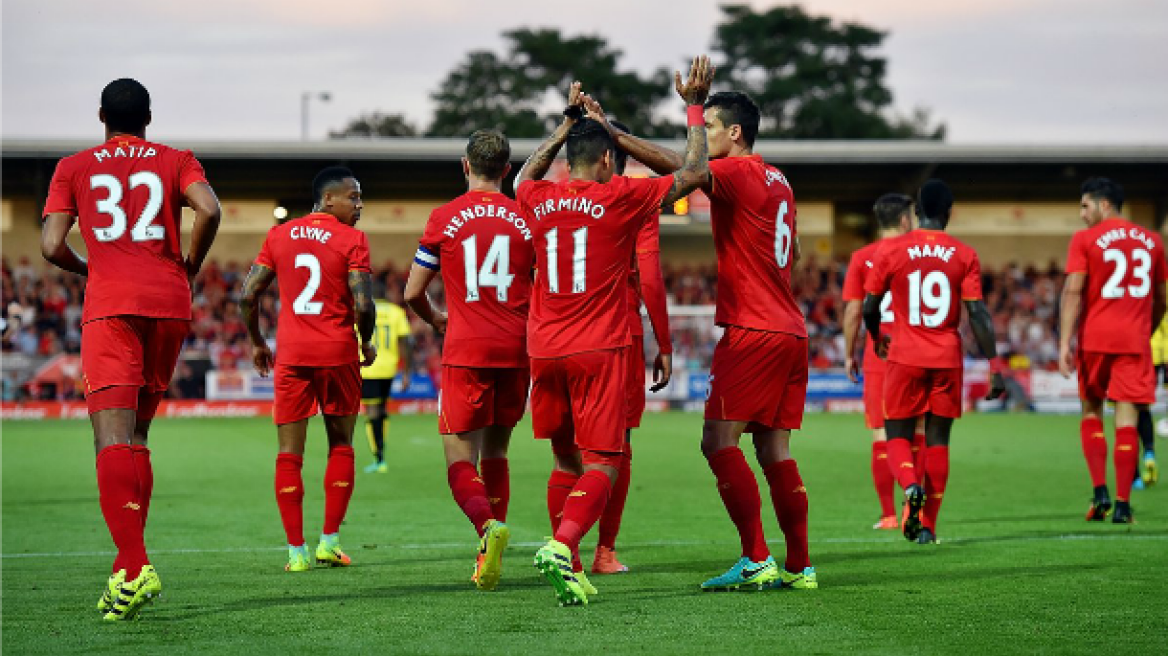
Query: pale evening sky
[(996, 71)]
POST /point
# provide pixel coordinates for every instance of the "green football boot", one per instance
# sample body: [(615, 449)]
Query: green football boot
[(554, 561), (133, 595)]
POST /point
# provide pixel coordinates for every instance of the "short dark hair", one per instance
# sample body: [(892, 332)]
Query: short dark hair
[(588, 141), (126, 105), (621, 158), (488, 153), (890, 207), (327, 178), (935, 200), (737, 108), (1104, 189)]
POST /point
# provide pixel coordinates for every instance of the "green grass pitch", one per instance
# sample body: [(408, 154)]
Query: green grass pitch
[(1018, 570)]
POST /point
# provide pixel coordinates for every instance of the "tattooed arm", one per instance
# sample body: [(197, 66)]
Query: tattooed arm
[(541, 160), (258, 280), (361, 285), (696, 171)]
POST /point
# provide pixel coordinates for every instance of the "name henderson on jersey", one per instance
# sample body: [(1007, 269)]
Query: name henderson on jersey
[(483, 211), (1117, 234)]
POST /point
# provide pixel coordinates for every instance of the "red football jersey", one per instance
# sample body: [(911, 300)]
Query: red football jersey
[(127, 194), (1122, 261), (859, 269), (312, 257), (752, 211), (484, 248), (585, 239), (929, 274)]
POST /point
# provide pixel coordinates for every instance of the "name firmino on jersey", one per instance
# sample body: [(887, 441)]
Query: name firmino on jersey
[(483, 211), (1116, 234), (934, 250), (129, 151), (575, 204)]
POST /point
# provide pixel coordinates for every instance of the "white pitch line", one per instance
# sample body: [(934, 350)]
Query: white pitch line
[(660, 543)]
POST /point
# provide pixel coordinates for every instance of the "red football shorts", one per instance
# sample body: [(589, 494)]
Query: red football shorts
[(471, 398), (874, 398), (580, 399), (300, 391), (635, 403), (759, 377), (129, 351), (910, 392), (1128, 377)]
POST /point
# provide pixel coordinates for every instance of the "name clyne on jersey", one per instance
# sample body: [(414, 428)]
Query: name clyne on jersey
[(307, 232), (931, 250), (129, 151), (1117, 234), (482, 211), (574, 204)]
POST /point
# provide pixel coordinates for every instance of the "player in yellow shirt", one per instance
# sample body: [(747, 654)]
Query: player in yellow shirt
[(1147, 432), (392, 338)]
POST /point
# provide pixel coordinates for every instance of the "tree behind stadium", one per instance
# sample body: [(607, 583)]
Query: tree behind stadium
[(812, 78)]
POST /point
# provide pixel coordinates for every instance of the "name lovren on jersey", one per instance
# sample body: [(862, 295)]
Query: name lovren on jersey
[(128, 151), (1117, 234), (482, 211)]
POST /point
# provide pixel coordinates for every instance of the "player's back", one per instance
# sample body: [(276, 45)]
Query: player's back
[(391, 324), (585, 240), (485, 249), (127, 195), (860, 267), (312, 257), (929, 273), (752, 211), (1122, 261)]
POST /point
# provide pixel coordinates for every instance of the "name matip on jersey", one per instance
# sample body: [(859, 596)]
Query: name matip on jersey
[(127, 195), (752, 212), (484, 248), (929, 274), (1122, 261), (585, 240), (312, 257)]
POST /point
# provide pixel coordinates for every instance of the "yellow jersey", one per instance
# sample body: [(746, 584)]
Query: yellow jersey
[(392, 324), (1160, 343)]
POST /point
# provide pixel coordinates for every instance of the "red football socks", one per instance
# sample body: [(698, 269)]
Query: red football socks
[(882, 477), (584, 505), (937, 468), (739, 490), (470, 493), (610, 520), (121, 506), (1094, 449), (290, 496), (145, 477), (497, 479), (1127, 454), (790, 499), (919, 450), (900, 460), (560, 485), (338, 487)]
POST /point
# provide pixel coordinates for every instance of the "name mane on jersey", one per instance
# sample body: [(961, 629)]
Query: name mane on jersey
[(306, 232), (773, 175), (1117, 234), (137, 152), (931, 250), (483, 211), (573, 204)]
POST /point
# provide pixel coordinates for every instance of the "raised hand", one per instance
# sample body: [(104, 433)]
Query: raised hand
[(575, 95), (697, 86), (594, 111)]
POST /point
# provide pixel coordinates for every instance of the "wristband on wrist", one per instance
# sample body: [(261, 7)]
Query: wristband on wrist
[(695, 116), (998, 365), (574, 112)]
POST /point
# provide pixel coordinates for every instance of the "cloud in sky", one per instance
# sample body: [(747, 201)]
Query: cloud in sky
[(996, 71)]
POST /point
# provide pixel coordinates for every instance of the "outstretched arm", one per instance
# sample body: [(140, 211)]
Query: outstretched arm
[(983, 331), (661, 161), (696, 170), (258, 279), (201, 198), (56, 249)]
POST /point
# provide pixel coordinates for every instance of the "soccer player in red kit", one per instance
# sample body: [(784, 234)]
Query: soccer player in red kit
[(894, 217), (322, 262), (578, 330), (758, 378), (1115, 283), (128, 195), (929, 275), (482, 245)]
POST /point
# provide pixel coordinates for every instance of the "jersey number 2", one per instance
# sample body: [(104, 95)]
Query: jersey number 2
[(144, 229), (304, 303)]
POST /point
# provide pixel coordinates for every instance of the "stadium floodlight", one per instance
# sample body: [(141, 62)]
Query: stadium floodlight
[(305, 98), (280, 213)]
